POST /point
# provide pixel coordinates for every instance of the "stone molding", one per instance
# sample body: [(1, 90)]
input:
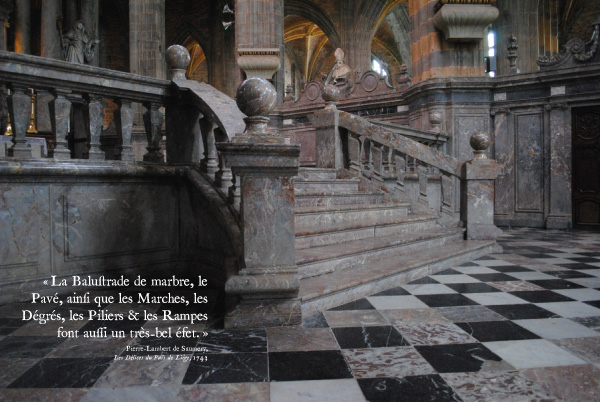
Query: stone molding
[(259, 62), (465, 23)]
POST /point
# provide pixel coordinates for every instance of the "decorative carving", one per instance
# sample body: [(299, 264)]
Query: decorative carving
[(435, 119), (330, 94), (465, 23), (574, 51), (342, 70), (512, 55), (402, 78), (259, 62), (256, 98), (228, 17), (480, 142)]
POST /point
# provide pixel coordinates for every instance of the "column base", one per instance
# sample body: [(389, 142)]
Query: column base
[(261, 313), (559, 222), (22, 151), (482, 231)]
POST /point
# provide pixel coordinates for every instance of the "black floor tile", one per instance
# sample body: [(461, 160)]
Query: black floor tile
[(472, 287), (593, 303), (577, 266), (63, 373), (526, 311), (423, 281), (300, 366), (494, 277), (555, 284), (446, 300), (469, 264), (10, 325), (584, 260), (228, 368), (449, 271), (397, 291), (491, 331), (28, 346), (510, 268), (464, 357), (541, 296), (114, 325), (316, 320), (361, 304), (430, 388), (368, 337), (235, 341), (569, 274)]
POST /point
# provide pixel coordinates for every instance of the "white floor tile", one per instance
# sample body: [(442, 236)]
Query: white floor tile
[(571, 309), (530, 275), (580, 294), (533, 353), (455, 279), (428, 289), (317, 391), (557, 328), (396, 302), (494, 298)]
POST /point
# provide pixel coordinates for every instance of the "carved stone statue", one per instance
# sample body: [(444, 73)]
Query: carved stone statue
[(78, 46), (342, 70)]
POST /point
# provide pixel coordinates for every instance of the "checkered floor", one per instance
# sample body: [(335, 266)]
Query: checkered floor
[(519, 326)]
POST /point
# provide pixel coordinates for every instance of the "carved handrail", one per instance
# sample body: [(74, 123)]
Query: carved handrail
[(428, 138), (399, 143)]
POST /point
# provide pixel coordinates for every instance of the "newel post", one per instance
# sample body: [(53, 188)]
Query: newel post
[(477, 191), (328, 143), (268, 284)]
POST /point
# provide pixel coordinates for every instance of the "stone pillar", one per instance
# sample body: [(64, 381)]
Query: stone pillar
[(355, 34), (477, 191), (90, 15), (23, 26), (6, 7), (50, 36), (147, 38), (259, 38), (124, 123), (268, 283), (329, 153), (153, 119), (70, 15)]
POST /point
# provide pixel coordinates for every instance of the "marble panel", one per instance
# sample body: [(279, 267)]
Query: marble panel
[(568, 383), (412, 388), (63, 373), (285, 339), (465, 357), (410, 316), (529, 162), (312, 365), (515, 286), (368, 337), (586, 348), (13, 369), (557, 328), (590, 322), (133, 393), (155, 372), (87, 347), (433, 333), (354, 318), (468, 313), (228, 368), (235, 341), (43, 394), (398, 361), (28, 346), (484, 386), (234, 392)]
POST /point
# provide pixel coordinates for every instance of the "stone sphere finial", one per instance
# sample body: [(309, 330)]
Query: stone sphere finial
[(178, 59), (480, 142), (330, 94), (256, 98)]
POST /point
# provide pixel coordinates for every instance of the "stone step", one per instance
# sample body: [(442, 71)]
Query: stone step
[(383, 213), (316, 261), (333, 289), (326, 186), (326, 199), (316, 174), (335, 233)]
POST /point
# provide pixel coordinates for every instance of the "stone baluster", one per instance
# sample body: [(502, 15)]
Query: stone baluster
[(434, 189), (268, 282), (422, 173), (225, 177), (377, 162), (235, 194), (211, 164), (354, 151), (124, 124), (19, 107), (367, 163), (153, 119), (447, 183), (60, 113), (400, 160), (95, 119), (411, 184), (477, 191), (389, 171)]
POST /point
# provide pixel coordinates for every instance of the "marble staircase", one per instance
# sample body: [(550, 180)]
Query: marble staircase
[(352, 243)]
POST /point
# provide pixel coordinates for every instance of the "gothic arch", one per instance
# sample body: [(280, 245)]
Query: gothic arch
[(314, 14)]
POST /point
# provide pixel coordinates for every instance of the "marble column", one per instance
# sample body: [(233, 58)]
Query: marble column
[(477, 191), (23, 26), (50, 36), (268, 282), (559, 214)]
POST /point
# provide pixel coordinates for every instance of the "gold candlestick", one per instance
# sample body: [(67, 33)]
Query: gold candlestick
[(32, 129)]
